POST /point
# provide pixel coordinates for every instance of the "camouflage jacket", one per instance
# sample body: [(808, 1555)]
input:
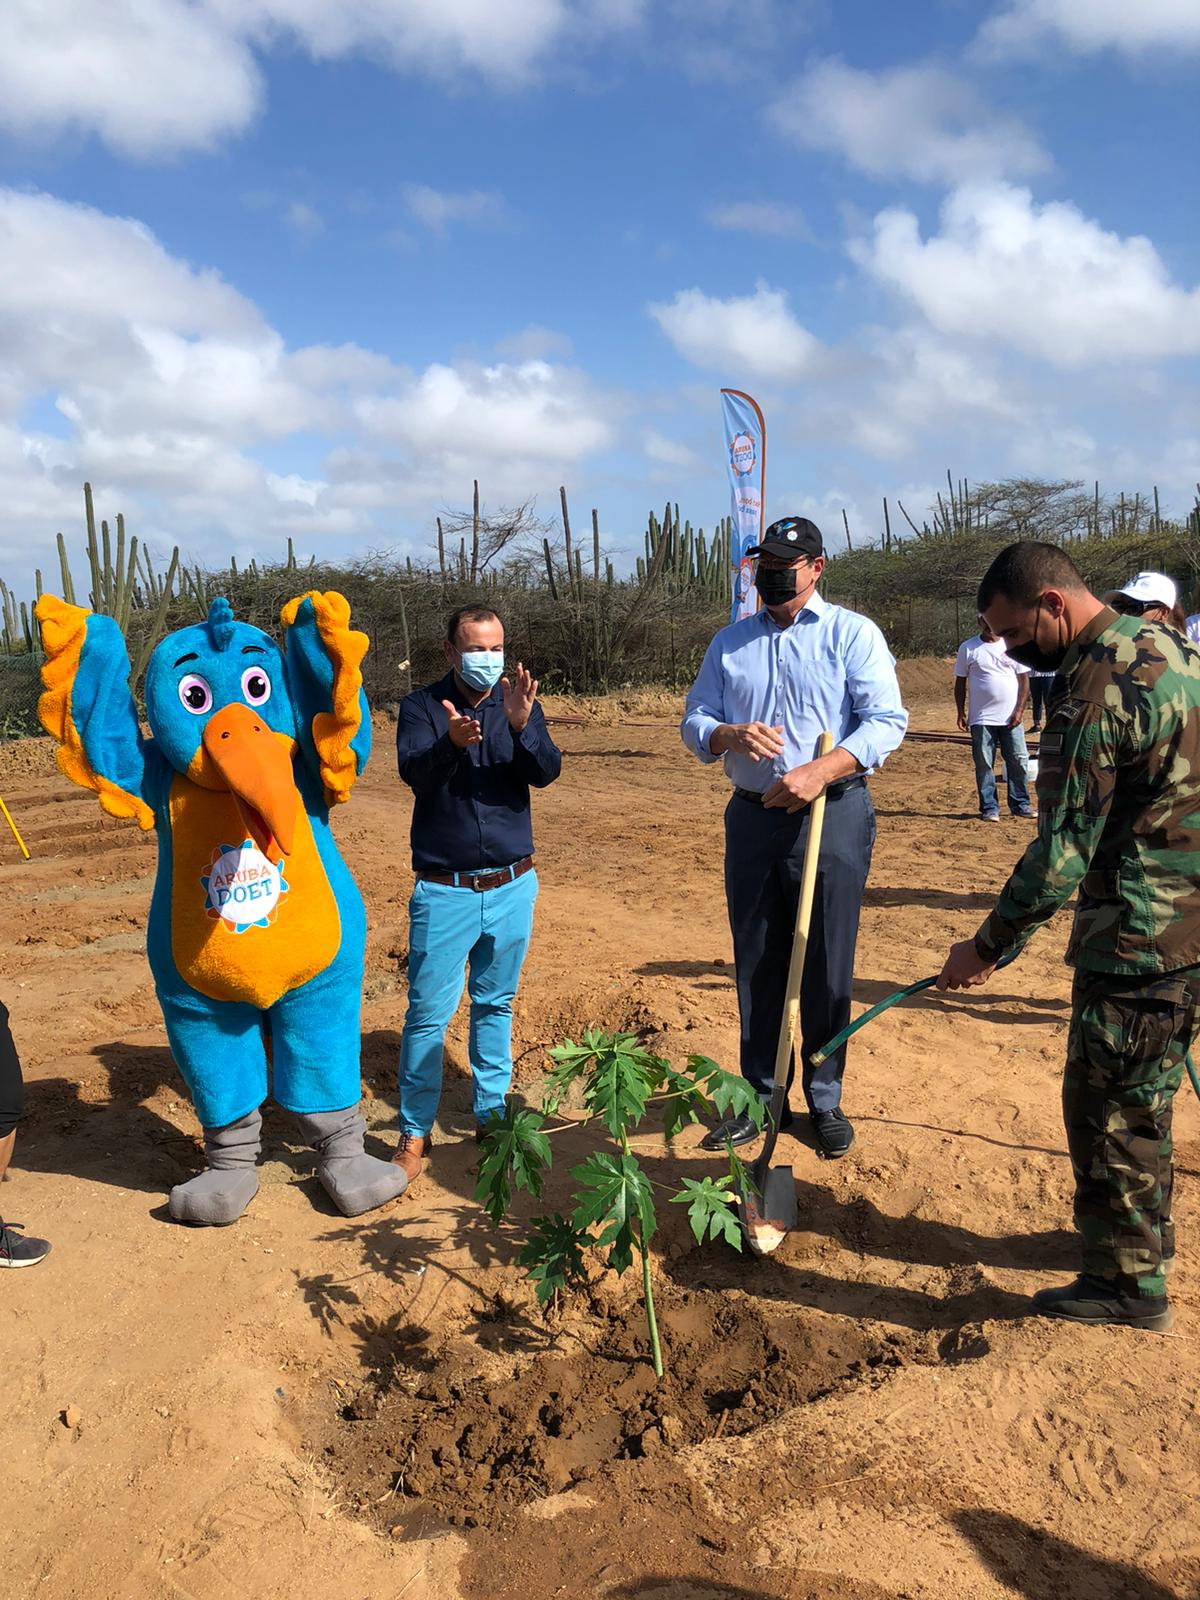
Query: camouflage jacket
[(1118, 790)]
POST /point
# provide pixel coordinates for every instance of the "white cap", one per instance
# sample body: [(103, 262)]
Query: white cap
[(1152, 588)]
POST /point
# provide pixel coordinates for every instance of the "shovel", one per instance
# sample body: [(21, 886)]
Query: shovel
[(767, 1206)]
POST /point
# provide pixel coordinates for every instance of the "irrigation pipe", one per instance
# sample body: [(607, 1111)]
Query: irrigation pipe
[(891, 1000)]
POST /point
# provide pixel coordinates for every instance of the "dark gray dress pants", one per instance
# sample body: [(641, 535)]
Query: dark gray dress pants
[(764, 854)]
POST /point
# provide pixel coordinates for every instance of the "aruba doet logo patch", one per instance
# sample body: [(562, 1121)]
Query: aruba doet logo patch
[(242, 889), (741, 454)]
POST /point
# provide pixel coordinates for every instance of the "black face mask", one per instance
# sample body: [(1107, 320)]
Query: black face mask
[(776, 585), (1032, 654)]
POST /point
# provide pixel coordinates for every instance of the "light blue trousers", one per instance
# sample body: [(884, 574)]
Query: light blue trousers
[(487, 934)]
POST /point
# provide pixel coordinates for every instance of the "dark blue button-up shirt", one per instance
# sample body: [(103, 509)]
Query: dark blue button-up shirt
[(472, 806)]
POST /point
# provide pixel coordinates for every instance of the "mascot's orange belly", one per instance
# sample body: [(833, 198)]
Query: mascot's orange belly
[(245, 926)]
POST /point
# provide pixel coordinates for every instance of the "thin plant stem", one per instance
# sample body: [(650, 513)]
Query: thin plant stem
[(647, 1286), (651, 1319)]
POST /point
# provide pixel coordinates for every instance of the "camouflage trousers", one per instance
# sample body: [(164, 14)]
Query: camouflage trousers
[(1126, 1054)]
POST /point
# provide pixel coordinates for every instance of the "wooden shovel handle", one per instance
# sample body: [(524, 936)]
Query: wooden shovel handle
[(808, 888)]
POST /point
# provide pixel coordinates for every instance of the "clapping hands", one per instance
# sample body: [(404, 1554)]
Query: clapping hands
[(520, 691), (464, 728)]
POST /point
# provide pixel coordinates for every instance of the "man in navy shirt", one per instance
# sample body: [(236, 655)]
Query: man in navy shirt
[(470, 747)]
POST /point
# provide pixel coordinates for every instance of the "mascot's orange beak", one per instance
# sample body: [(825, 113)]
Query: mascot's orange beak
[(258, 769)]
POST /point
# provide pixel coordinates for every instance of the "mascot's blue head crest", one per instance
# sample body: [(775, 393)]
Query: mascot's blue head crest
[(198, 671), (220, 623)]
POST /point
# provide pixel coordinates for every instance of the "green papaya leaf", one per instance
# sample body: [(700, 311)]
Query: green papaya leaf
[(619, 1084), (684, 1103), (677, 1114), (515, 1152), (554, 1255), (570, 1061), (613, 1194), (727, 1092), (620, 1077), (712, 1213)]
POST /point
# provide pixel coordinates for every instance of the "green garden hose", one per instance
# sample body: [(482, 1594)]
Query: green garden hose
[(878, 1009), (891, 1000)]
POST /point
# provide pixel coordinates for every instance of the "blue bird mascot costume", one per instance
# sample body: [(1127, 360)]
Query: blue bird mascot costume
[(257, 930)]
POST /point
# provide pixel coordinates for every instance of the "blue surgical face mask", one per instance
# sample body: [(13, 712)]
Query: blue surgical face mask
[(481, 669)]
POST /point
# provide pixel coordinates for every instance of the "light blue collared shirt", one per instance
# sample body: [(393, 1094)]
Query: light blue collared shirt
[(830, 669)]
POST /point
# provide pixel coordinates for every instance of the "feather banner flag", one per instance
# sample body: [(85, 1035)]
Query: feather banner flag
[(746, 455)]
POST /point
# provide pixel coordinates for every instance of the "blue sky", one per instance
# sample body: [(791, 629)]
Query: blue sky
[(305, 267)]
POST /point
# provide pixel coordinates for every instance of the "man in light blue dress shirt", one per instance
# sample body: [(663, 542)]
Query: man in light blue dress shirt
[(769, 685)]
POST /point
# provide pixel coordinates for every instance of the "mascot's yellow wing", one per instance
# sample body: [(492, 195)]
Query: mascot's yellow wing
[(64, 640), (335, 730)]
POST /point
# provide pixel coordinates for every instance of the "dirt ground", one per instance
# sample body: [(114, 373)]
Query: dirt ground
[(305, 1405)]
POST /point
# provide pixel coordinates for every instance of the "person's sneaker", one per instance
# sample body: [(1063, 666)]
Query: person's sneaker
[(739, 1130), (1092, 1300), (1035, 727), (989, 816), (18, 1252), (1026, 813), (833, 1132)]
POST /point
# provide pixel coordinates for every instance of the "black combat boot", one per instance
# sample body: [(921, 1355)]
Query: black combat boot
[(1094, 1300)]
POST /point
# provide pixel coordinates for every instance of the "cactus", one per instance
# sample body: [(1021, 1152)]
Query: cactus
[(119, 587)]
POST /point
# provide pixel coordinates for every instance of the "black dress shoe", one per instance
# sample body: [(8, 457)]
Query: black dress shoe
[(739, 1130), (833, 1132), (1093, 1300)]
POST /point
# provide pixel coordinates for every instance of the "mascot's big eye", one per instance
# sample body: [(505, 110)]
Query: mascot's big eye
[(256, 686), (195, 694)]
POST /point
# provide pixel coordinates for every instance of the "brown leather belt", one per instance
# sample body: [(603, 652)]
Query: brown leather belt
[(479, 881)]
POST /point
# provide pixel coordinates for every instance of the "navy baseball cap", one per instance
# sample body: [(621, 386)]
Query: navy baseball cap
[(791, 537)]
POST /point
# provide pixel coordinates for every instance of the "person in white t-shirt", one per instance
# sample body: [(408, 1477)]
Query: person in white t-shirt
[(997, 688)]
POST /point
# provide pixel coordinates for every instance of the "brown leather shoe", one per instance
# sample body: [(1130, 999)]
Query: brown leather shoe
[(411, 1153)]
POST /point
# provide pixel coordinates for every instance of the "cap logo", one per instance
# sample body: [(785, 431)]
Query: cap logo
[(791, 533)]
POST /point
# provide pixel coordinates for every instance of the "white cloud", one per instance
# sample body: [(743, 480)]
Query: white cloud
[(753, 335), (443, 37), (773, 218), (669, 452), (923, 385), (438, 209), (529, 412), (154, 77), (920, 122), (291, 489), (167, 386), (66, 259), (1044, 279), (150, 77), (1092, 25)]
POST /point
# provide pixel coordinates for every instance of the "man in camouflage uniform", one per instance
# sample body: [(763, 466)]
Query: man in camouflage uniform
[(1119, 822)]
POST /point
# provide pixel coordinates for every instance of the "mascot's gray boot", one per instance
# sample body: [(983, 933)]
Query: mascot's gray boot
[(220, 1195), (353, 1180)]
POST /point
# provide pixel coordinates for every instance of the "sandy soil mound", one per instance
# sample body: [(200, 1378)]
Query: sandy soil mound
[(474, 1446), (25, 758), (926, 678)]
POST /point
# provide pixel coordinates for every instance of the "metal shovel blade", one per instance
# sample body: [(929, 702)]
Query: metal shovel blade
[(768, 1216)]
